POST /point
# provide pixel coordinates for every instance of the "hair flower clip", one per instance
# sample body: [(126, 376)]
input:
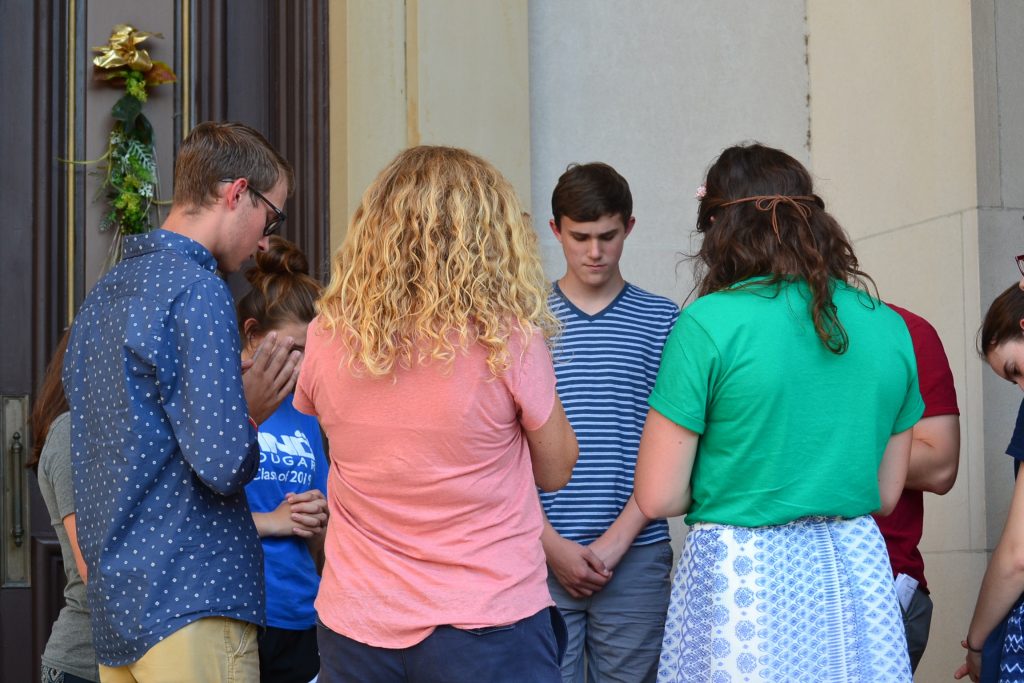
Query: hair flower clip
[(702, 192)]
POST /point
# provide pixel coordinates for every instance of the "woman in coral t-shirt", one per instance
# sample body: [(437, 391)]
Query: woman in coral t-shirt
[(429, 370)]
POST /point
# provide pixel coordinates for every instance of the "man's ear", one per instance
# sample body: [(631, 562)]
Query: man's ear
[(557, 231), (233, 192), (629, 225)]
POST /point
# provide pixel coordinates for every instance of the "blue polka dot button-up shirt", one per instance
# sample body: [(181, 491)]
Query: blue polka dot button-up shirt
[(161, 449)]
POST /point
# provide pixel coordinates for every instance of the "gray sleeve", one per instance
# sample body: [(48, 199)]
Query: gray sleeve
[(56, 455)]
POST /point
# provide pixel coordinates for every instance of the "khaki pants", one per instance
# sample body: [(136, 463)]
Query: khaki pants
[(211, 650)]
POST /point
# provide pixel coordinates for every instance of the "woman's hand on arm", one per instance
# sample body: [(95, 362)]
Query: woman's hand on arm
[(892, 472), (72, 531), (661, 485), (553, 450)]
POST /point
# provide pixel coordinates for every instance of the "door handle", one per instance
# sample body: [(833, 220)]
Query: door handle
[(18, 471), (15, 515)]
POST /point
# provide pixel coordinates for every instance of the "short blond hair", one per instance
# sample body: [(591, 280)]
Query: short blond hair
[(439, 255)]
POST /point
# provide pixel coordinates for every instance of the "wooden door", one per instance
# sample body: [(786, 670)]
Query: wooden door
[(265, 63), (276, 54), (35, 271)]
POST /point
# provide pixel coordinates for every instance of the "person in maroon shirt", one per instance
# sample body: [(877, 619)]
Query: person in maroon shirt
[(934, 461)]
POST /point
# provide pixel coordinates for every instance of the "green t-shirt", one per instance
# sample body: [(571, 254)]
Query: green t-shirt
[(787, 428)]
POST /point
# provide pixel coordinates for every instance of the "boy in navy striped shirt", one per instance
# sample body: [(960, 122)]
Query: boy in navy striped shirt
[(609, 564)]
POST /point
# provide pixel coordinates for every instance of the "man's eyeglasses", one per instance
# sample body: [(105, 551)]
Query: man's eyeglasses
[(272, 223), (1020, 263)]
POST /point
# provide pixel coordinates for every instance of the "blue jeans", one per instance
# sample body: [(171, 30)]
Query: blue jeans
[(528, 650), (618, 630)]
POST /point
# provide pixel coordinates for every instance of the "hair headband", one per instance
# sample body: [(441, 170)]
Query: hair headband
[(770, 202)]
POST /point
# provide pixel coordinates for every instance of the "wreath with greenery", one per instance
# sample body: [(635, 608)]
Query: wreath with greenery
[(129, 170)]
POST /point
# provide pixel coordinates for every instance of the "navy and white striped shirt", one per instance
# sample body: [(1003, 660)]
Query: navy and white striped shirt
[(606, 365)]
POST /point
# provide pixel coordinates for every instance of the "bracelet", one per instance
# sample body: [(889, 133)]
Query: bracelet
[(253, 423), (967, 644)]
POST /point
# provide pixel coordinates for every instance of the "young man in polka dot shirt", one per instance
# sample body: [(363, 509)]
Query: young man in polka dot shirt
[(164, 424)]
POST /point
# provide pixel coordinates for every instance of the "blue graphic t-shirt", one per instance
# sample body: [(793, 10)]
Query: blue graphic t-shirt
[(292, 459)]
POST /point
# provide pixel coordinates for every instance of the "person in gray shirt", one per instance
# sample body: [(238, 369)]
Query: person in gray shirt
[(69, 656)]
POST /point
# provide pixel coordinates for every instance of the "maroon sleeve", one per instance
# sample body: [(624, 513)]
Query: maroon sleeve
[(934, 376)]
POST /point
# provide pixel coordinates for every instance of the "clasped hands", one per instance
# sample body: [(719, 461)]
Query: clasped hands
[(583, 569), (299, 514)]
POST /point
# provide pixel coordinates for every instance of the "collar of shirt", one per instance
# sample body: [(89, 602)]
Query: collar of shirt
[(159, 239)]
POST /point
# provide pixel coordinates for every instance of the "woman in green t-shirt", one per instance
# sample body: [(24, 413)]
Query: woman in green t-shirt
[(780, 420)]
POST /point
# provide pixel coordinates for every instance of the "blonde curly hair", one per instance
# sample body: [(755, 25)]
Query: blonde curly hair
[(439, 256)]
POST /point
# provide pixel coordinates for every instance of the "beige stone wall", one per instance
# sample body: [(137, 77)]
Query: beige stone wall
[(444, 72), (893, 148), (658, 89)]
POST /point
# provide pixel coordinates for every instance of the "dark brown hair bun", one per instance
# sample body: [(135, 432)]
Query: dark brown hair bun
[(281, 258), (282, 290)]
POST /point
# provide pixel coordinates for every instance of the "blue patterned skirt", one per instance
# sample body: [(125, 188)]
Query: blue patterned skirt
[(812, 600), (1002, 659)]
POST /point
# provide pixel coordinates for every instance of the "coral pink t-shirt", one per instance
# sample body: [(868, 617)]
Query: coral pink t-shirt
[(435, 517)]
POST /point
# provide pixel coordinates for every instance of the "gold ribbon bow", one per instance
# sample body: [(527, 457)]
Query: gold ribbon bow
[(771, 202), (122, 50)]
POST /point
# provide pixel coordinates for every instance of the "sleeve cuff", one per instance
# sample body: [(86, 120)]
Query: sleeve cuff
[(674, 414)]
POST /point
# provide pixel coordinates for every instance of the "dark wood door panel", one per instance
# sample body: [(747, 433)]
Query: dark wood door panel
[(48, 571), (276, 56), (265, 63), (34, 65)]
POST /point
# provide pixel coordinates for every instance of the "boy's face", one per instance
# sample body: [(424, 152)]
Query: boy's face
[(592, 249)]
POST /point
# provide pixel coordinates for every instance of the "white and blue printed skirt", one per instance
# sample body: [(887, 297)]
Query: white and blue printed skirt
[(812, 600)]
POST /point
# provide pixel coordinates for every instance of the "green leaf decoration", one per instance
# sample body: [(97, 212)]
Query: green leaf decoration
[(126, 110), (129, 165), (143, 129)]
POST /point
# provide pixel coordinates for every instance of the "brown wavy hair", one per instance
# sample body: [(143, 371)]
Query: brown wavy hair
[(1002, 320), (439, 256), (50, 402), (282, 290), (759, 216)]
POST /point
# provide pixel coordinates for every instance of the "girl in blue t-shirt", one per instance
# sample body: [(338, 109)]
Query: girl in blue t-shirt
[(287, 497)]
